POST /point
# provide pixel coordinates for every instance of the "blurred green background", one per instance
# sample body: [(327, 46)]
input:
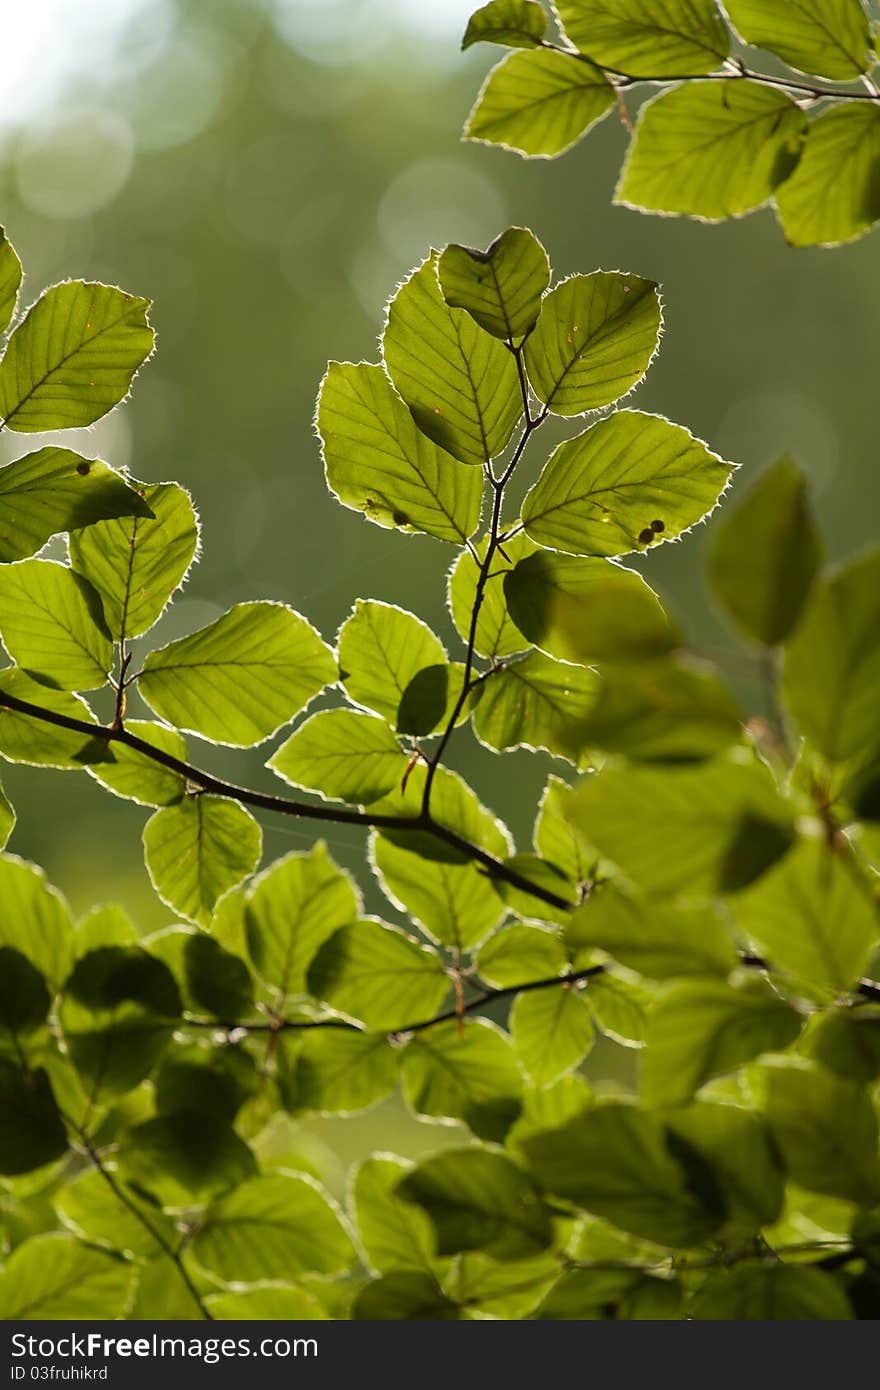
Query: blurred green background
[(267, 171)]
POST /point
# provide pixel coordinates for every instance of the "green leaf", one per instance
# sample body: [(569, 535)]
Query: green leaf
[(199, 849), (716, 826), (460, 384), (136, 565), (431, 698), (552, 1031), (24, 998), (828, 38), (847, 1041), (7, 819), (215, 1080), (594, 341), (814, 916), (505, 1289), (73, 357), (711, 150), (239, 679), (664, 711), (501, 287), (136, 777), (825, 1128), (765, 554), (535, 702), (556, 839), (56, 490), (184, 1156), (652, 1299), (479, 1200), (109, 925), (542, 875), (466, 1073), (404, 1295), (519, 952), (52, 625), (291, 910), (35, 919), (832, 196), (378, 975), (10, 275), (770, 1292), (584, 1294), (628, 483), (619, 1005), (93, 1212), (496, 634), (53, 1277), (381, 649), (660, 940), (24, 739), (33, 1133), (340, 1071), (270, 1227), (834, 700), (272, 1302), (120, 1008), (161, 1294), (377, 461), (517, 23), (704, 1028), (549, 1107), (394, 1234), (340, 753), (745, 1167), (615, 1161), (217, 980), (587, 610), (539, 103), (669, 38)]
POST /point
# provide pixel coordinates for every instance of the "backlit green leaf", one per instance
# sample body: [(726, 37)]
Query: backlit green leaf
[(378, 462), (378, 975), (341, 753), (24, 739), (501, 287), (239, 679), (460, 384), (535, 702), (765, 554), (134, 775), (847, 1041), (833, 196), (496, 634), (539, 103), (587, 610), (668, 38), (338, 1071), (594, 341), (628, 483), (35, 919), (55, 1277), (91, 1210), (197, 850), (517, 23), (519, 952), (662, 711), (137, 564), (711, 150), (656, 939), (466, 1073), (52, 625), (830, 38), (770, 1292), (72, 357), (56, 490), (552, 1032), (10, 276), (744, 1164), (381, 648), (394, 1234), (479, 1200)]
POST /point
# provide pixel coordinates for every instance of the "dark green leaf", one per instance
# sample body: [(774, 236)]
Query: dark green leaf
[(381, 649), (464, 1073), (668, 38), (847, 1041), (24, 998), (833, 196), (501, 287), (377, 461), (54, 1277), (765, 554), (56, 490), (215, 1080), (184, 1156), (594, 340), (199, 849), (478, 1199), (404, 1295), (704, 1028), (737, 1146), (52, 625), (539, 103), (587, 610), (344, 754), (270, 1227), (517, 23), (216, 979), (73, 356), (711, 150), (340, 1071), (460, 384), (829, 38), (32, 1133), (628, 483), (378, 975), (136, 565), (430, 699), (770, 1292)]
